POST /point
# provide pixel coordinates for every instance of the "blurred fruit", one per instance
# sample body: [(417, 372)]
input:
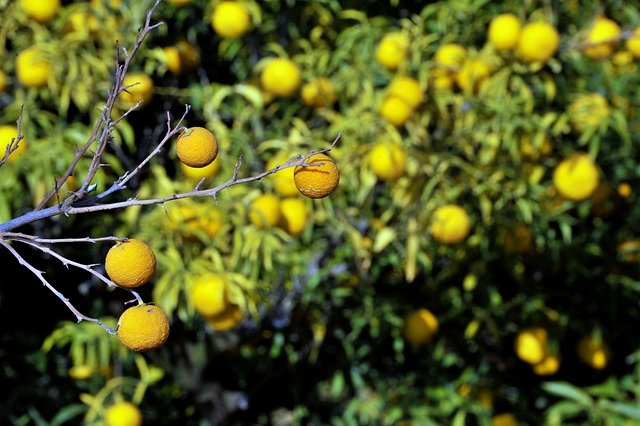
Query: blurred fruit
[(518, 239), (294, 215), (7, 133), (3, 82), (40, 10), (227, 319), (80, 372), (504, 31), (193, 218), (172, 59), (593, 352), (406, 88), (395, 110), (209, 295), (265, 211), (123, 414), (197, 147), (81, 22), (538, 42), (531, 152), (141, 90), (198, 173), (450, 56), (143, 328), (280, 77), (441, 80), (318, 93), (130, 263), (450, 224), (532, 345), (633, 42), (576, 177), (624, 190), (392, 50), (230, 19), (283, 179), (319, 179), (602, 38), (33, 67), (588, 110), (504, 419), (548, 366), (629, 250), (419, 327), (473, 73), (485, 397), (388, 160)]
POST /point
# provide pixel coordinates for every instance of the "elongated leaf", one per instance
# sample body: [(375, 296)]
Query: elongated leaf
[(568, 391)]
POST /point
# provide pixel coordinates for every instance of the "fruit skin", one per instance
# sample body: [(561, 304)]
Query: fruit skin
[(283, 179), (280, 77), (8, 132), (197, 147), (588, 110), (576, 177), (633, 43), (294, 215), (548, 366), (504, 419), (172, 59), (388, 161), (392, 50), (141, 92), (593, 352), (472, 74), (504, 31), (408, 89), (265, 211), (230, 19), (143, 328), (318, 93), (317, 181), (227, 319), (197, 173), (419, 327), (450, 56), (130, 263), (450, 224), (209, 295), (41, 10), (538, 42), (531, 345), (123, 414), (602, 38), (395, 110), (32, 68)]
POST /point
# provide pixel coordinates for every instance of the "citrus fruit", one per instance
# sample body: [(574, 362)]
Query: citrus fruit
[(633, 43), (576, 177), (198, 173), (450, 224), (318, 93), (450, 56), (230, 19), (504, 419), (141, 90), (548, 366), (130, 263), (123, 413), (280, 77), (473, 73), (602, 38), (531, 345), (624, 190), (441, 80), (143, 328), (388, 160), (588, 110), (172, 59), (504, 31), (319, 179), (283, 179), (194, 219), (265, 210), (294, 215), (80, 372), (7, 133), (538, 42), (209, 295), (593, 352), (32, 67), (40, 10), (227, 319), (408, 89), (395, 110), (197, 147), (392, 49), (419, 327)]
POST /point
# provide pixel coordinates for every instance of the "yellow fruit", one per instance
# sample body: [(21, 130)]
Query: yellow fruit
[(81, 21), (450, 224), (624, 190), (8, 132), (504, 419), (318, 93), (172, 59), (441, 79), (472, 74), (419, 327), (633, 42), (198, 173), (123, 414), (518, 239), (504, 31), (130, 263), (283, 179), (143, 328), (588, 110), (548, 366), (576, 177), (209, 295), (294, 215), (388, 160), (408, 89), (538, 42), (450, 56), (395, 110), (197, 147), (602, 38), (230, 19), (141, 92), (392, 50), (194, 219), (33, 67), (280, 77), (265, 211), (80, 372), (531, 345), (227, 319), (189, 56), (319, 179), (40, 10), (593, 352), (3, 82)]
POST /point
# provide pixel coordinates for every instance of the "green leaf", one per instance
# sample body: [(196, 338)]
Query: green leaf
[(623, 408), (568, 391), (68, 413)]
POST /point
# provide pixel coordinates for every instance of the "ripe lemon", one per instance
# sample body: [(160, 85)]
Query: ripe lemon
[(130, 263), (198, 173), (576, 177), (395, 110), (392, 49), (388, 160), (265, 211), (32, 67), (531, 345), (8, 132), (548, 366), (172, 59), (143, 328), (633, 43), (197, 147), (473, 73), (538, 42), (294, 215), (318, 93), (504, 31), (593, 352), (419, 327), (280, 77), (227, 319), (602, 38), (3, 82), (450, 224), (209, 295), (408, 89), (450, 56), (504, 419), (588, 110), (123, 414), (141, 92), (230, 19), (81, 21), (40, 10), (319, 179), (283, 179), (80, 372)]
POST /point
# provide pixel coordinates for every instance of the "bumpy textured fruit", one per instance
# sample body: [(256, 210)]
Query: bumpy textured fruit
[(538, 42), (602, 38), (504, 31), (123, 414), (450, 224), (209, 295), (319, 179), (8, 132), (588, 110), (392, 50), (318, 93), (197, 147), (143, 328), (395, 110), (388, 160), (280, 77), (141, 91), (130, 263), (230, 19), (32, 67), (408, 89), (450, 56), (265, 211), (294, 215), (576, 177), (419, 327), (531, 345), (40, 10), (283, 179)]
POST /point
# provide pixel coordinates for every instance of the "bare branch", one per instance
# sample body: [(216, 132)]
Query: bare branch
[(14, 142)]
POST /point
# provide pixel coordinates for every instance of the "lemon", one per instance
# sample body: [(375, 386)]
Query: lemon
[(194, 219), (504, 419), (227, 319), (473, 73), (633, 43), (7, 133), (593, 352), (408, 89), (130, 263), (419, 327), (441, 80), (265, 210), (294, 215), (197, 147), (80, 372), (388, 160), (230, 19), (123, 414), (576, 177), (395, 110), (531, 345), (450, 56), (32, 67), (392, 49), (143, 328), (548, 366), (209, 295), (588, 110), (198, 173), (318, 93), (280, 77), (538, 42), (319, 179), (172, 59), (141, 90), (40, 10), (283, 179), (450, 224), (504, 31), (602, 38), (181, 58)]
